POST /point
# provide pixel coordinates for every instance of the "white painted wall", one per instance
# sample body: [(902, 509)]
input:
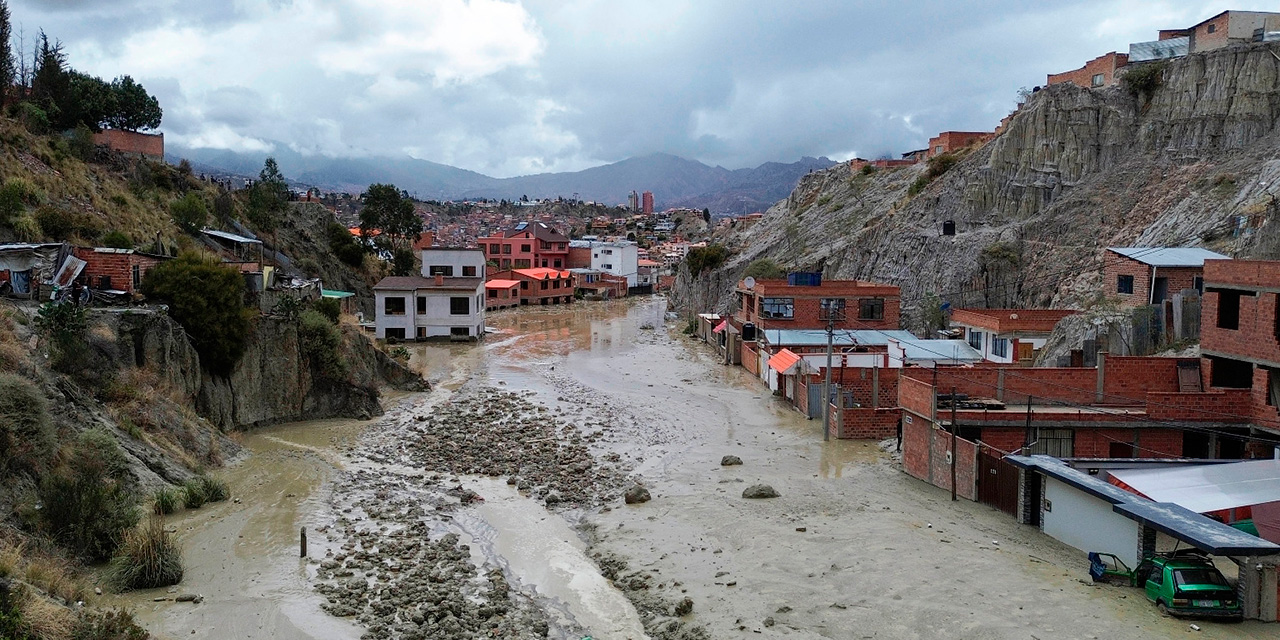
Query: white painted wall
[(617, 258), (437, 321), (1088, 523), (384, 321), (456, 258)]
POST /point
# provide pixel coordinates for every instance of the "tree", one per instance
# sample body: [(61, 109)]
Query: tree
[(706, 215), (765, 269), (207, 299), (267, 197), (402, 262), (50, 84), (90, 101), (134, 108), (8, 67), (387, 210), (189, 213)]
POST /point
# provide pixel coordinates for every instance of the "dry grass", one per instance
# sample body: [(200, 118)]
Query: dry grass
[(55, 577), (148, 558), (12, 351), (47, 619)]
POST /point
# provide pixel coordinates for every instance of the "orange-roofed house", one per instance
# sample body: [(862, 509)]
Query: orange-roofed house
[(1007, 335), (541, 286), (501, 293)]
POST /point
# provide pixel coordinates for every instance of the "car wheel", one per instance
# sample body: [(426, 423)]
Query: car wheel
[(1164, 611)]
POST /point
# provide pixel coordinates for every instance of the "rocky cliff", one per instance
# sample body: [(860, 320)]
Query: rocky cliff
[(1195, 162)]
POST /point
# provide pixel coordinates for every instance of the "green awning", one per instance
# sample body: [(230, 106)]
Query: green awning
[(333, 293)]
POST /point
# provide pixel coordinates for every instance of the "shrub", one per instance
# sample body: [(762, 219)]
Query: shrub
[(824, 200), (109, 625), (87, 503), (193, 494), (26, 435), (287, 307), (765, 269), (918, 186), (704, 258), (15, 196), (80, 143), (25, 228), (867, 170), (321, 342), (117, 240), (164, 501), (189, 213), (329, 308), (11, 624), (207, 299), (33, 117), (1142, 80), (55, 223), (64, 324), (147, 559), (215, 490), (940, 164)]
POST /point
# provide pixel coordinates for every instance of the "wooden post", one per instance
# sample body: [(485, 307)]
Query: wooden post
[(302, 543)]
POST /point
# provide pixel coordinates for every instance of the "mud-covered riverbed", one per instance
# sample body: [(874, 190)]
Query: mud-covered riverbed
[(490, 508)]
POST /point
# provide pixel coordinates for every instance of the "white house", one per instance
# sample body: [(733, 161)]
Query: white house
[(1007, 335), (621, 258), (446, 301)]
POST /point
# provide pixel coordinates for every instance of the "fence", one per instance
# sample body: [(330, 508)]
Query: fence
[(1144, 330)]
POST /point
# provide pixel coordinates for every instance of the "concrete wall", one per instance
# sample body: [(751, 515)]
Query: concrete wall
[(437, 321), (455, 258), (1087, 523)]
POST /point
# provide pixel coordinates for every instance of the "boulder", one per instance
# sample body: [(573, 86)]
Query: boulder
[(636, 495), (757, 491), (729, 461)]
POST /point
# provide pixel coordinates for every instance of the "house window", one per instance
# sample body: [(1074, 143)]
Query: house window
[(460, 331), (1000, 347), (1059, 443), (937, 150), (506, 249), (422, 305), (1212, 28), (522, 264), (506, 264), (1229, 309), (459, 306), (440, 270), (1124, 284), (1097, 80), (606, 267), (1197, 283), (396, 333), (393, 306), (544, 284), (871, 309), (137, 276), (558, 264), (975, 339), (493, 293), (468, 272), (831, 309), (526, 248), (777, 308), (555, 285), (495, 248), (524, 284)]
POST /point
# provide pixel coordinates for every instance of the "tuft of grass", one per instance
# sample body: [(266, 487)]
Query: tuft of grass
[(215, 490), (164, 501), (44, 618), (148, 558), (54, 577), (193, 494), (109, 625)]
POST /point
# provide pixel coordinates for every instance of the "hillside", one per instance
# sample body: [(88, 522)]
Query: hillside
[(1195, 163), (675, 181)]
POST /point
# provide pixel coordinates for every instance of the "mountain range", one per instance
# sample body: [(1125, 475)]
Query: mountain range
[(674, 181)]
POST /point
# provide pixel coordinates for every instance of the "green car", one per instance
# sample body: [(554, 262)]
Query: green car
[(1191, 586)]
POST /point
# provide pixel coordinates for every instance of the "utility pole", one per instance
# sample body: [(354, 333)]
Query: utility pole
[(953, 444), (832, 315)]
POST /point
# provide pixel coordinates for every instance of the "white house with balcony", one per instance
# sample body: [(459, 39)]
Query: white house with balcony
[(445, 302)]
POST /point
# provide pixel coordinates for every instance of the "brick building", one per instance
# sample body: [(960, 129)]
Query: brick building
[(804, 301), (1007, 335), (1230, 27), (646, 202), (116, 269), (1149, 275), (528, 245), (949, 141), (500, 294), (540, 286), (132, 143), (1240, 333), (1099, 72)]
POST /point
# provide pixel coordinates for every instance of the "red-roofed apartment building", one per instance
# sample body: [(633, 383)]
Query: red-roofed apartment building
[(528, 245), (1007, 335), (540, 286)]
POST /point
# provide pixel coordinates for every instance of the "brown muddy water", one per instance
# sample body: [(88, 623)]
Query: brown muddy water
[(853, 548)]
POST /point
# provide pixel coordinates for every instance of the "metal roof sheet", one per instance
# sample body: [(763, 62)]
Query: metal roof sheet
[(920, 349), (229, 236), (1169, 256), (1211, 487), (841, 337)]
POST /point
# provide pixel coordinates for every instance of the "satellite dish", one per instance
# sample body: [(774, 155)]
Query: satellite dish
[(749, 283)]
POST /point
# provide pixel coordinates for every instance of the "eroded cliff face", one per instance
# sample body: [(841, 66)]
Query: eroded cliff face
[(273, 381), (1075, 171)]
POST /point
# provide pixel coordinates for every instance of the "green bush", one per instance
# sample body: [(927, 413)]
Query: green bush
[(1142, 80), (26, 435), (329, 308), (107, 625), (55, 222), (148, 558), (193, 494), (33, 117), (189, 213), (765, 269), (918, 186), (15, 196), (705, 258), (117, 240), (207, 299), (11, 625), (164, 501), (25, 228), (321, 342), (80, 143), (87, 503), (215, 490), (867, 170)]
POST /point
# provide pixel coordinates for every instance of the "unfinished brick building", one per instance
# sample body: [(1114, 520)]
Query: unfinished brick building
[(116, 269), (1240, 334), (1150, 275), (1102, 71)]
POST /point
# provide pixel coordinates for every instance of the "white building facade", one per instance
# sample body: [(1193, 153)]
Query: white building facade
[(445, 302)]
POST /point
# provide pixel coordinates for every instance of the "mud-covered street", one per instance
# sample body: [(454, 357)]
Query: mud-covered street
[(492, 507)]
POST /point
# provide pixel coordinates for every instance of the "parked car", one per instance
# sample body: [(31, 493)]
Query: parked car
[(1189, 585)]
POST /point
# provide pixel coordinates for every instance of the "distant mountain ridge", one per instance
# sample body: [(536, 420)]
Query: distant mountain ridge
[(675, 181)]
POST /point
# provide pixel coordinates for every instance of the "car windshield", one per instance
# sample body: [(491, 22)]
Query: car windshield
[(1198, 576)]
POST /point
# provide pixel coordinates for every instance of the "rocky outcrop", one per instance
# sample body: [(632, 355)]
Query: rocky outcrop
[(1074, 171)]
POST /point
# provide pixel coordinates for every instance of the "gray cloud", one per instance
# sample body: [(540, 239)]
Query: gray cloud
[(563, 84)]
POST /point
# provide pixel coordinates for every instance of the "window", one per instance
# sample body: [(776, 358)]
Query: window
[(461, 332), (1212, 28), (493, 293), (555, 285), (422, 305), (606, 267), (506, 264), (1059, 443), (1097, 80), (831, 309), (777, 308), (544, 284), (526, 248), (975, 339), (1000, 347), (394, 334), (459, 306), (137, 276), (468, 272), (1229, 309), (607, 252), (440, 270), (1157, 577), (495, 248), (1124, 284), (1197, 283), (558, 265), (506, 249), (393, 306), (522, 264), (1230, 374), (871, 309), (937, 150)]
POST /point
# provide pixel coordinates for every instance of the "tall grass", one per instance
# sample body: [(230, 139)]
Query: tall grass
[(164, 501), (215, 490), (148, 558), (201, 489)]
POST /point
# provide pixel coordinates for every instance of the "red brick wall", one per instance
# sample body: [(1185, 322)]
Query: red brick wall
[(863, 424), (915, 395), (1096, 443), (915, 446), (750, 361), (132, 142), (1083, 77), (861, 381), (924, 456), (1263, 413), (954, 140), (1069, 384), (1130, 378), (1222, 405), (1256, 337), (1117, 265), (118, 266), (1006, 440), (579, 258)]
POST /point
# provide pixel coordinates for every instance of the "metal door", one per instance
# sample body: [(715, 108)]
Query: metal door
[(815, 400), (997, 483)]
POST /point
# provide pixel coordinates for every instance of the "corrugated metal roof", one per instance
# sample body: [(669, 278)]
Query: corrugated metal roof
[(334, 293), (1212, 487), (229, 236), (1169, 256), (841, 337), (956, 350)]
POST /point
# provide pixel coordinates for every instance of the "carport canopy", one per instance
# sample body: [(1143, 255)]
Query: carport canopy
[(1210, 487)]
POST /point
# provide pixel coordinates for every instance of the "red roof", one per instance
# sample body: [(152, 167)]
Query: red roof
[(783, 361), (501, 284), (542, 273)]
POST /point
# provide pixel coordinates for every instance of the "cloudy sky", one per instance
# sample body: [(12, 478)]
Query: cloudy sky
[(515, 87)]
